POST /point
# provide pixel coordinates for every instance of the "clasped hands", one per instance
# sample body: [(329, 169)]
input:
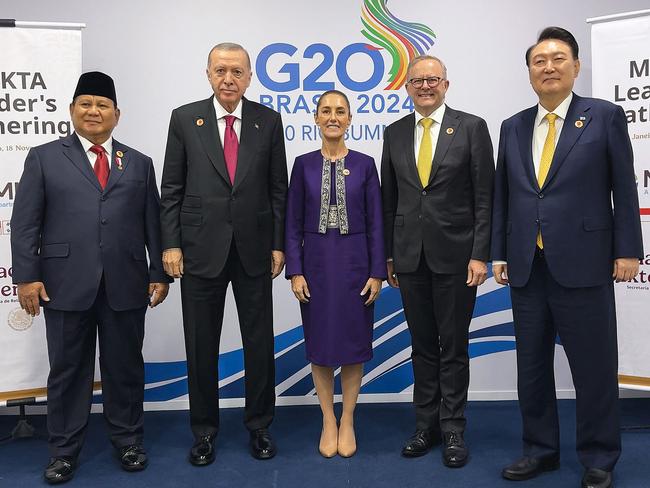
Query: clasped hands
[(301, 290)]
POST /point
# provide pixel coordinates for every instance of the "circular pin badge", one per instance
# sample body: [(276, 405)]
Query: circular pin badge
[(450, 130), (346, 172), (119, 154), (579, 124), (199, 122)]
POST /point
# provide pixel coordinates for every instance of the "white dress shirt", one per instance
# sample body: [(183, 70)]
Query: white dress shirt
[(92, 157), (221, 112), (437, 116)]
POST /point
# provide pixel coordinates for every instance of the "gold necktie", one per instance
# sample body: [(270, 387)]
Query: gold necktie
[(545, 161), (425, 154)]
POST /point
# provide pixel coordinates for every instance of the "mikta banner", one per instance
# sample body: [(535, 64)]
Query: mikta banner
[(621, 74), (39, 67)]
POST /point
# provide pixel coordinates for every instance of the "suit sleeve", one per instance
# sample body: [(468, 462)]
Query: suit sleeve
[(482, 174), (27, 222), (152, 229), (627, 222), (374, 223), (295, 221), (278, 184), (388, 194), (500, 202), (173, 185)]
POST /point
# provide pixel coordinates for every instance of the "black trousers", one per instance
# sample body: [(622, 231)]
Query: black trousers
[(585, 320), (203, 305), (71, 339), (438, 309)]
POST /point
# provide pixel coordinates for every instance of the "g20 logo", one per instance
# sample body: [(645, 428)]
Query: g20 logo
[(313, 81)]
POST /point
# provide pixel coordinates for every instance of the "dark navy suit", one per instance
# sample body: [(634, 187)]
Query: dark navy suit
[(89, 248), (567, 289)]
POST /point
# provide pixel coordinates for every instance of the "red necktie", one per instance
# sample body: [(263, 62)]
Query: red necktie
[(230, 147), (101, 165)]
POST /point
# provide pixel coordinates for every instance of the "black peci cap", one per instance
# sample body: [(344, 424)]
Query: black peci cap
[(96, 83)]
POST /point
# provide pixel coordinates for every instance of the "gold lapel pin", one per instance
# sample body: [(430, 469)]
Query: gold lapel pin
[(119, 154), (450, 130), (346, 172), (579, 124), (199, 122)]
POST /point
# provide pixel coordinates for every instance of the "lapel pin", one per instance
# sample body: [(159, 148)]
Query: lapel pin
[(579, 124), (582, 117), (346, 172), (450, 130), (118, 159), (199, 122)]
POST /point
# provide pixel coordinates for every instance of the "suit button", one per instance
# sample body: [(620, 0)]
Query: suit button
[(419, 217), (540, 195), (102, 198), (104, 221), (424, 192), (232, 198), (101, 244), (537, 221)]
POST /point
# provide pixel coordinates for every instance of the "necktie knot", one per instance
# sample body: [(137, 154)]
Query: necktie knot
[(426, 122), (97, 149), (230, 120), (551, 118)]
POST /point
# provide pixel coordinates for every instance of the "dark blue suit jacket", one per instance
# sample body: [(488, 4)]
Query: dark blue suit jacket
[(592, 167), (67, 232)]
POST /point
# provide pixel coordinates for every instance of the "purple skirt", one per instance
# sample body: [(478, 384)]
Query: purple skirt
[(337, 324)]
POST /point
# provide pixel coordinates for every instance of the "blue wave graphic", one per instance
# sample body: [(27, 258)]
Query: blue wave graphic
[(386, 374)]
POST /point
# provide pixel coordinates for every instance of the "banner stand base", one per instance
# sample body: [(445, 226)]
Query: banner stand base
[(23, 429)]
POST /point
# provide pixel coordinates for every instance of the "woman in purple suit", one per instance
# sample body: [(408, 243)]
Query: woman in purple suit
[(335, 259)]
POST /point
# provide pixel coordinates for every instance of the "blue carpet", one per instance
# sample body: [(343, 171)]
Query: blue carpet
[(493, 436)]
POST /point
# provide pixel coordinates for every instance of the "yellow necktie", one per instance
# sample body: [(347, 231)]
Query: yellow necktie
[(545, 161), (425, 155)]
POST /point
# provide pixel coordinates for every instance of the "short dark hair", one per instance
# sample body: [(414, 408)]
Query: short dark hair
[(334, 92), (557, 33)]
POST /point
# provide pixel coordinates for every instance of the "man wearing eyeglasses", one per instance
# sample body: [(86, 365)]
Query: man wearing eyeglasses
[(437, 171)]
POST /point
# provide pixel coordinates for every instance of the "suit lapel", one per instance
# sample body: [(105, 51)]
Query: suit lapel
[(205, 123), (406, 132), (448, 129), (74, 151), (117, 170), (577, 115), (250, 130), (525, 138)]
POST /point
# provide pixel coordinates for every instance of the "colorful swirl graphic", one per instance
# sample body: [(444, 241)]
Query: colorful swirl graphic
[(402, 40)]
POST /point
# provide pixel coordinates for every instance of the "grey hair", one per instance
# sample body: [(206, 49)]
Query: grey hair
[(229, 46), (426, 57)]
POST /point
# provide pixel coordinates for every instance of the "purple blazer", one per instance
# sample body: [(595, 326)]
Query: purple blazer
[(362, 202)]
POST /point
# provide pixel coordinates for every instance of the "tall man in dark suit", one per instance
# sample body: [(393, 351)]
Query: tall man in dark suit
[(79, 233), (559, 244), (437, 170), (224, 191)]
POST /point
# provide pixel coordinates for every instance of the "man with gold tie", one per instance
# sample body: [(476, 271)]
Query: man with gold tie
[(437, 172), (559, 244)]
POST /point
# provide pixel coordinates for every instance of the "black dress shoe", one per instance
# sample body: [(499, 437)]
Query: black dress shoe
[(419, 443), (262, 445), (133, 458), (529, 467), (59, 470), (455, 453), (202, 452), (597, 478)]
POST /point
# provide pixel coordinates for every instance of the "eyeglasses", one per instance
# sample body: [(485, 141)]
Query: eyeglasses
[(433, 82)]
